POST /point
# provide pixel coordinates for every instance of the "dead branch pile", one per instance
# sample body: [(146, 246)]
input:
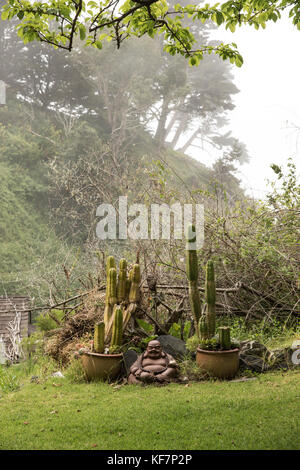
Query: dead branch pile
[(77, 328)]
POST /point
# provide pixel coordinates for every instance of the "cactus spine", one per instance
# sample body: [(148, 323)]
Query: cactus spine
[(99, 337), (117, 331), (192, 275), (224, 337), (135, 277), (210, 298), (122, 278)]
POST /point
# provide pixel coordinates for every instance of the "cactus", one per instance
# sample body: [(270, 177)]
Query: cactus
[(117, 331), (135, 277), (112, 287), (99, 337), (127, 289), (192, 275), (111, 294), (120, 292), (122, 278), (224, 337), (210, 298), (203, 328), (110, 263)]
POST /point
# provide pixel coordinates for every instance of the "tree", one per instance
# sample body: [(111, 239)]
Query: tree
[(58, 22)]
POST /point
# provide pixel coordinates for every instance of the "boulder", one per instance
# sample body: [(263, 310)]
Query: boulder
[(174, 346), (280, 359), (129, 357), (296, 345), (254, 355)]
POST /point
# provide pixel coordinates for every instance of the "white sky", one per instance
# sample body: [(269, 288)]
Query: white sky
[(269, 83)]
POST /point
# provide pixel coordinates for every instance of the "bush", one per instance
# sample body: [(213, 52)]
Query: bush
[(46, 322)]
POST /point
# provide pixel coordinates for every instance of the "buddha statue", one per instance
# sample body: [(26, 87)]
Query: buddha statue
[(153, 366)]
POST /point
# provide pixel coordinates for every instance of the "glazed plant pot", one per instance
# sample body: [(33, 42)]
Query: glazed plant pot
[(101, 366), (220, 364)]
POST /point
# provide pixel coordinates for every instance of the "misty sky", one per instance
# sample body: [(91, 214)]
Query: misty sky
[(269, 99)]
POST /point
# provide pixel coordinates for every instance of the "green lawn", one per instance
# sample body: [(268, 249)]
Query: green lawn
[(259, 414)]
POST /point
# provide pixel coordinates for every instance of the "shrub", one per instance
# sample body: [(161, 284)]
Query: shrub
[(46, 322)]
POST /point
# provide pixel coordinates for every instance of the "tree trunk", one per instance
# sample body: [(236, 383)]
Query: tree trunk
[(160, 134), (190, 140), (179, 130)]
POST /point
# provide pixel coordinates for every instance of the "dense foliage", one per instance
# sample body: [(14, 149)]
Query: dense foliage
[(58, 22)]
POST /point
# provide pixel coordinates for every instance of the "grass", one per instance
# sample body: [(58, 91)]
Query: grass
[(56, 414), (273, 335)]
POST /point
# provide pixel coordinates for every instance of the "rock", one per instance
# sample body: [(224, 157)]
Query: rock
[(254, 355), (296, 345), (254, 348), (174, 346), (280, 359), (58, 374), (253, 363), (129, 357)]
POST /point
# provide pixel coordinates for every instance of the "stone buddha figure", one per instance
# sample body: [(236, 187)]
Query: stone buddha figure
[(153, 366)]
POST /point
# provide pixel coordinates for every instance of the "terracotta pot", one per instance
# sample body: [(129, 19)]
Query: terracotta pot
[(101, 366), (221, 364)]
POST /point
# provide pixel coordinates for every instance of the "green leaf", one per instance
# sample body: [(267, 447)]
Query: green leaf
[(231, 26), (219, 18), (82, 31), (145, 325), (239, 60), (5, 14)]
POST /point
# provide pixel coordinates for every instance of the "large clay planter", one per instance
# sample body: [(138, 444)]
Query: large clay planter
[(221, 364), (101, 366)]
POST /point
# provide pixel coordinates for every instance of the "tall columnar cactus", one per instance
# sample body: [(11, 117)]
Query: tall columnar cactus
[(110, 263), (117, 330), (122, 278), (224, 337), (112, 286), (135, 277), (99, 333), (111, 294), (127, 288), (192, 274), (124, 291), (210, 298), (203, 328)]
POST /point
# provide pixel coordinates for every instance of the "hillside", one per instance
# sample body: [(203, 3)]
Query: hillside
[(29, 245)]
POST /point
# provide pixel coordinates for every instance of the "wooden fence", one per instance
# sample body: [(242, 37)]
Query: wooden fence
[(8, 308)]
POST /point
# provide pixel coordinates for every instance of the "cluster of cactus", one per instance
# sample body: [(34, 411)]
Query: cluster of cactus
[(122, 295), (205, 322)]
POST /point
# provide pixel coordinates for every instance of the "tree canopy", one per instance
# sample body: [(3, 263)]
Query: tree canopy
[(58, 22)]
